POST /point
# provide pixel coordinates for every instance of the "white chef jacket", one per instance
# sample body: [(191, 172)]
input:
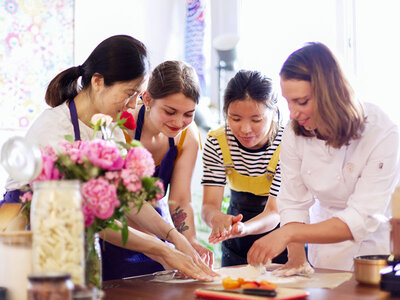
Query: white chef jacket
[(352, 183)]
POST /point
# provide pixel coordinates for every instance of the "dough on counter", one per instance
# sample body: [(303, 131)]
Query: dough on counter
[(248, 272)]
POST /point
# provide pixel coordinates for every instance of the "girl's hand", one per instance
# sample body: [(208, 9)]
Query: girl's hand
[(238, 230), (222, 225)]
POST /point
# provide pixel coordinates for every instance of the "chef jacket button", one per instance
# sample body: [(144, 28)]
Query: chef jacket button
[(338, 178), (308, 172)]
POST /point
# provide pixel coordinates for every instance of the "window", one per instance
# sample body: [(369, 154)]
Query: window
[(362, 34)]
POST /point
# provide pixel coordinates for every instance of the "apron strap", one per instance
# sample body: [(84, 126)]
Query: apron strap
[(74, 119), (182, 138), (273, 162), (180, 143), (139, 123), (220, 135)]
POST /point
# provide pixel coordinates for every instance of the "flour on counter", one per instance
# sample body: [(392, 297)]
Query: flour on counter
[(248, 272)]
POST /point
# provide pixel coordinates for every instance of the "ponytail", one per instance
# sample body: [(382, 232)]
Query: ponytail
[(63, 87)]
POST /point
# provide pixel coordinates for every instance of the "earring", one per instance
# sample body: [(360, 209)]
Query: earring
[(147, 108)]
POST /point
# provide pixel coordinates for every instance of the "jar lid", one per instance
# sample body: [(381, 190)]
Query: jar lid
[(49, 276), (21, 159)]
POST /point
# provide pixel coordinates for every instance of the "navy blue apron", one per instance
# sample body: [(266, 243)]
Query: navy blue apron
[(164, 169), (234, 251)]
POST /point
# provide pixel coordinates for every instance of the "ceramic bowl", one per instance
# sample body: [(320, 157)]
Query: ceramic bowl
[(367, 267)]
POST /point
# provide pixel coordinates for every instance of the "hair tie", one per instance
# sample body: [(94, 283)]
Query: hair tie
[(80, 70)]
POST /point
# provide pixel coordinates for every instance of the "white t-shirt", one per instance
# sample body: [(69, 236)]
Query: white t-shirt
[(51, 127), (353, 183)]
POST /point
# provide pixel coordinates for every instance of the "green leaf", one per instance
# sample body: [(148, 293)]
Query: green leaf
[(124, 230), (114, 227), (136, 143), (125, 145), (69, 138)]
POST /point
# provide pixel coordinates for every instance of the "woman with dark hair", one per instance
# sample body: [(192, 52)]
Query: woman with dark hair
[(112, 78), (340, 164), (244, 152), (165, 127)]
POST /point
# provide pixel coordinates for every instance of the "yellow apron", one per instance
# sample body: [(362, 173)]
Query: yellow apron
[(259, 185)]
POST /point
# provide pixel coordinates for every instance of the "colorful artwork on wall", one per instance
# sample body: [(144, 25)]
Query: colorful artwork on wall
[(36, 43), (194, 37)]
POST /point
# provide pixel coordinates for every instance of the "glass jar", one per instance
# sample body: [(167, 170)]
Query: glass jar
[(50, 285), (57, 224), (15, 262)]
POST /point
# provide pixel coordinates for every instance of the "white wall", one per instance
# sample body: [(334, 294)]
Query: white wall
[(158, 24)]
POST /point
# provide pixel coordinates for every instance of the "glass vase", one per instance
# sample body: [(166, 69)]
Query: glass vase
[(93, 268)]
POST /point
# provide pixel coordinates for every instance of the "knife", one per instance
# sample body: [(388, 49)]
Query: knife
[(161, 275), (253, 292)]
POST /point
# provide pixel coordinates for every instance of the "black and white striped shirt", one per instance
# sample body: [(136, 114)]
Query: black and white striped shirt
[(246, 161)]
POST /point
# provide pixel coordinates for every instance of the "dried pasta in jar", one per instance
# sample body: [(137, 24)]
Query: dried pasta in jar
[(57, 224)]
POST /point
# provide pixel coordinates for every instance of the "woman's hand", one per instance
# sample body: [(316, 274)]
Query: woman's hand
[(267, 247), (183, 245), (222, 225), (192, 267), (206, 254), (297, 262), (293, 268)]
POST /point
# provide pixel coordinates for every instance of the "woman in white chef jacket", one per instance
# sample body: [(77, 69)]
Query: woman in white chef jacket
[(340, 158)]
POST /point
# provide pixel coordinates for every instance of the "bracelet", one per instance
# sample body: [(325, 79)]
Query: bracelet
[(166, 238)]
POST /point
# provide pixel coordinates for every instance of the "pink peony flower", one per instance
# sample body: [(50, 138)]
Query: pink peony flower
[(132, 182), (88, 214), (160, 185), (49, 172), (103, 154), (50, 151), (73, 150), (26, 197), (140, 161), (100, 197), (113, 176)]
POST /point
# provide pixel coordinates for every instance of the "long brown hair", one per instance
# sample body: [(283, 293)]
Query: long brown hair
[(172, 77), (338, 115)]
